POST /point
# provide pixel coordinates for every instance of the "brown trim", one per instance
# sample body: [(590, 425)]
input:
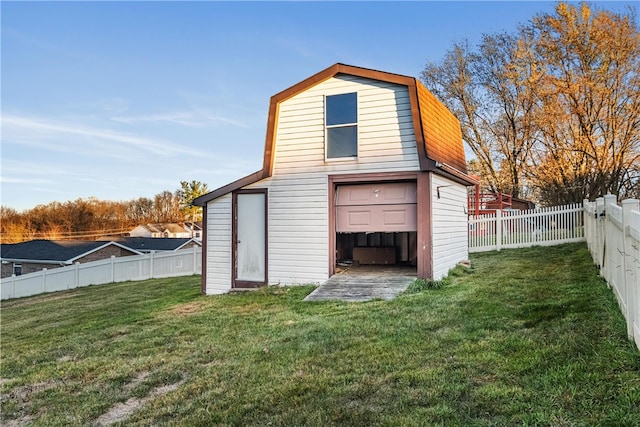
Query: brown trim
[(451, 173), (269, 144), (203, 279), (425, 238), (334, 180), (417, 125), (241, 284), (235, 185)]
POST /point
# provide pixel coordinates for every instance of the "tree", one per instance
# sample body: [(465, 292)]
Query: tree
[(166, 207), (140, 211), (589, 94), (187, 193), (487, 92), (91, 218), (554, 106)]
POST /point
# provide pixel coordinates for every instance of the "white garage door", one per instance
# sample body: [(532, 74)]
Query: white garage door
[(384, 207)]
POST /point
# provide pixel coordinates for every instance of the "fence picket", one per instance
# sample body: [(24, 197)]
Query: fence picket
[(519, 229)]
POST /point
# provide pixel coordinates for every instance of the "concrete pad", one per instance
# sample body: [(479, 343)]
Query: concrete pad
[(356, 286)]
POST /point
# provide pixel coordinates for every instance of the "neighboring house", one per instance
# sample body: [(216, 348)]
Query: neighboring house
[(28, 257), (157, 244), (194, 229), (358, 164), (168, 229)]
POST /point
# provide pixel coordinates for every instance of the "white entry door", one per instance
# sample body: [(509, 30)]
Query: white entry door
[(250, 239)]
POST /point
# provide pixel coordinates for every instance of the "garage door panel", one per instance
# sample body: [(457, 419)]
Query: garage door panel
[(359, 218), (376, 207), (395, 217), (376, 218), (377, 194)]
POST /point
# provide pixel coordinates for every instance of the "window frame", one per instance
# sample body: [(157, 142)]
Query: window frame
[(327, 127)]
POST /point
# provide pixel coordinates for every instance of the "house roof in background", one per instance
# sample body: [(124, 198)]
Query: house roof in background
[(161, 227), (437, 130), (154, 243), (54, 251)]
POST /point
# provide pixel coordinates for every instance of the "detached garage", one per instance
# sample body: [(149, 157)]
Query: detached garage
[(359, 166)]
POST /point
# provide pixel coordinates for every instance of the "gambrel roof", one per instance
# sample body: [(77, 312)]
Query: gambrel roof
[(437, 130)]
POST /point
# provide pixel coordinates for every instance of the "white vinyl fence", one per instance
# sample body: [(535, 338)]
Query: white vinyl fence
[(184, 262), (613, 238), (526, 228)]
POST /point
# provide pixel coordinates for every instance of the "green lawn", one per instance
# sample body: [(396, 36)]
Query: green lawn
[(524, 337)]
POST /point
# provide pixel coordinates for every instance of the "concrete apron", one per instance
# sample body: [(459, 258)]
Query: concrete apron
[(355, 285)]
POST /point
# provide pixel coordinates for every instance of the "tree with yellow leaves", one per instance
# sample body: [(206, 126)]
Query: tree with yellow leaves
[(552, 110)]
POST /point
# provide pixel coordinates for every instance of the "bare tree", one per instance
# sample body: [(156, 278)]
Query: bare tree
[(487, 91), (166, 207)]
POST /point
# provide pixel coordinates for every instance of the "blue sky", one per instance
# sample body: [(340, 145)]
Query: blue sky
[(120, 100)]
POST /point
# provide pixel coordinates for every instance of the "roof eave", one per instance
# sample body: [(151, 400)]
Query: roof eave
[(450, 172), (235, 185)]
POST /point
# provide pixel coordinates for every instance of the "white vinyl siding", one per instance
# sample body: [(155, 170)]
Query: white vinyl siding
[(298, 224), (386, 141), (218, 262), (449, 225)]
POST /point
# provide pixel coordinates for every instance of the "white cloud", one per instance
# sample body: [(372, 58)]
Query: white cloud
[(79, 138), (13, 180), (195, 118)]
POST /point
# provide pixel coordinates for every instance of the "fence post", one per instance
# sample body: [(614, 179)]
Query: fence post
[(609, 269), (628, 263), (13, 286), (498, 229), (151, 262), (195, 259), (44, 280), (586, 223), (112, 266), (77, 275), (600, 234)]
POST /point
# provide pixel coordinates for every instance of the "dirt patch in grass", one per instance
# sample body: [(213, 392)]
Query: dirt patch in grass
[(185, 309), (19, 422), (121, 411), (23, 394)]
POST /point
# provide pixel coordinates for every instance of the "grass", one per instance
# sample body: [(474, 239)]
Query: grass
[(524, 337)]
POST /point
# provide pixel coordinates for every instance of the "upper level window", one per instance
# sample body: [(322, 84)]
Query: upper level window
[(341, 117)]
